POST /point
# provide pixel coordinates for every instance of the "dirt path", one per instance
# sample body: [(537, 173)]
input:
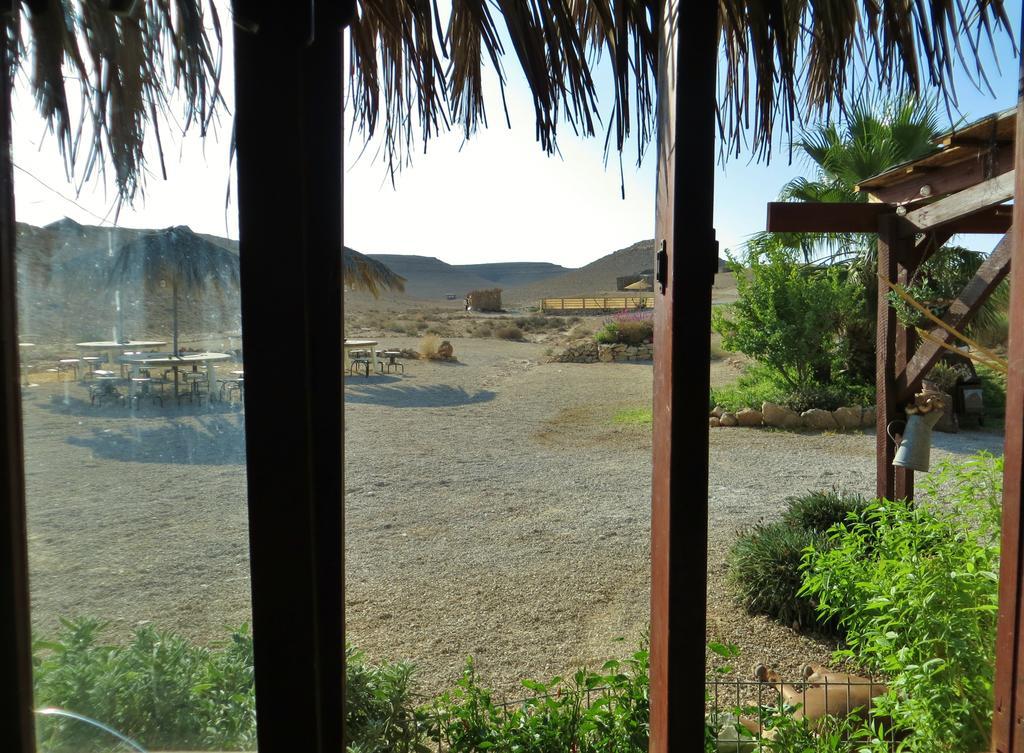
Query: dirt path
[(494, 509)]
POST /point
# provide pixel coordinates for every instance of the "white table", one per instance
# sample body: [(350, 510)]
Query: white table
[(177, 362), (370, 345), (113, 349)]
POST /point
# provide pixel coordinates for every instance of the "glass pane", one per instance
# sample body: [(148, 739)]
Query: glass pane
[(135, 459)]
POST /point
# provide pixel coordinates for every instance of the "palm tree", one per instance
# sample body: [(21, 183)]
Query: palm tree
[(360, 272), (414, 71), (875, 137)]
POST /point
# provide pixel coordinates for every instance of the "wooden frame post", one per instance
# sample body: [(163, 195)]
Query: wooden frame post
[(894, 345), (1008, 719), (16, 724), (687, 262), (289, 139)]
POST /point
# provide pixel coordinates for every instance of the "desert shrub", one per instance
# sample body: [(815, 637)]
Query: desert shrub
[(764, 564), (789, 316), (587, 713), (819, 511), (580, 330), (429, 346), (915, 588), (537, 323), (508, 333), (626, 332)]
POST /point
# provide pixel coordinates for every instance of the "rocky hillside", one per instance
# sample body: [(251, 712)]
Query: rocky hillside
[(428, 278), (597, 277)]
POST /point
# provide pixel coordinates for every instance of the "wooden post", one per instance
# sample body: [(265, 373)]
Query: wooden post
[(1008, 719), (289, 136), (687, 260), (16, 729), (894, 344)]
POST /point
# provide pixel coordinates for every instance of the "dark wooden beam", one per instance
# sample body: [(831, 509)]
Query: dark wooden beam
[(688, 260), (892, 352), (961, 312), (837, 217), (289, 138), (966, 202), (16, 730), (947, 179), (1008, 717), (854, 217)]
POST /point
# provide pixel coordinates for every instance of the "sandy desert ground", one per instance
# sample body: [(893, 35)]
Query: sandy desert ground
[(494, 509)]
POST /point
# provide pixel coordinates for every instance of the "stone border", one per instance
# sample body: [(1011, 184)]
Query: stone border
[(780, 417), (594, 352)]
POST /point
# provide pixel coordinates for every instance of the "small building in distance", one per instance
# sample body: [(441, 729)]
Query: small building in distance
[(484, 300)]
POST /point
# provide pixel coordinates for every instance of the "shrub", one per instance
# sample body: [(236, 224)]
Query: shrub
[(915, 587), (587, 713), (993, 392), (608, 334), (788, 315), (429, 346), (756, 385), (765, 566), (159, 689), (379, 716), (827, 396), (819, 511), (508, 333), (627, 332)]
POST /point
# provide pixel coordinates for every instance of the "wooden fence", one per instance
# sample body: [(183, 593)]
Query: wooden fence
[(615, 303)]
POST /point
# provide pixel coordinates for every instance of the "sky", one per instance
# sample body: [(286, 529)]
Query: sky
[(496, 197)]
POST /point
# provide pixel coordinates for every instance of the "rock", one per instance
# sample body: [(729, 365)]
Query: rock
[(749, 417), (868, 418), (847, 417), (816, 418), (779, 416), (727, 419), (445, 350), (713, 422), (605, 353), (718, 411)]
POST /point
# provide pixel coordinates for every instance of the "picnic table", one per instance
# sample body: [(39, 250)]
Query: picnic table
[(142, 360), (113, 349), (356, 345)]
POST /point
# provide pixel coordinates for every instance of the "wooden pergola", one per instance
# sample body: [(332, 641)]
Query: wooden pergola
[(915, 208)]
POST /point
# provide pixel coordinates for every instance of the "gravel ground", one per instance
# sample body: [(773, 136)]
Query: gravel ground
[(494, 509)]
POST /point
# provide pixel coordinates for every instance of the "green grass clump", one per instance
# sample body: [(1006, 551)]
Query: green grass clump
[(633, 417), (765, 567), (819, 511), (756, 385)]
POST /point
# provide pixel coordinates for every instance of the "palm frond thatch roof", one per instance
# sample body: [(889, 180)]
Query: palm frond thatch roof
[(413, 72), (175, 257), (360, 272)]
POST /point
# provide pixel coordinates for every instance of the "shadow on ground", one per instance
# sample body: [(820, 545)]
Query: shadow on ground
[(215, 441), (411, 396), (115, 409)]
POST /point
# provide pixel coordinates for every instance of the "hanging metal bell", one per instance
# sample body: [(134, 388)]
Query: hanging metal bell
[(915, 449)]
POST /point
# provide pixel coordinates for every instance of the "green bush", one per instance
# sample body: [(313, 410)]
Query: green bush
[(993, 393), (590, 712), (819, 511), (764, 564), (625, 332), (827, 396), (159, 689), (789, 316), (608, 334), (915, 588), (167, 693), (758, 384)]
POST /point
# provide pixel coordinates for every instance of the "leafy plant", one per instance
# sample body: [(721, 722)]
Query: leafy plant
[(378, 711), (788, 316), (827, 396), (757, 385), (819, 511), (587, 713), (915, 587)]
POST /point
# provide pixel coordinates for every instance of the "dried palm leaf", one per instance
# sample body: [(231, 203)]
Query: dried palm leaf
[(413, 73)]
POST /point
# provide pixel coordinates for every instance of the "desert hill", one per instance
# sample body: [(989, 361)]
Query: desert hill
[(515, 274), (597, 277)]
